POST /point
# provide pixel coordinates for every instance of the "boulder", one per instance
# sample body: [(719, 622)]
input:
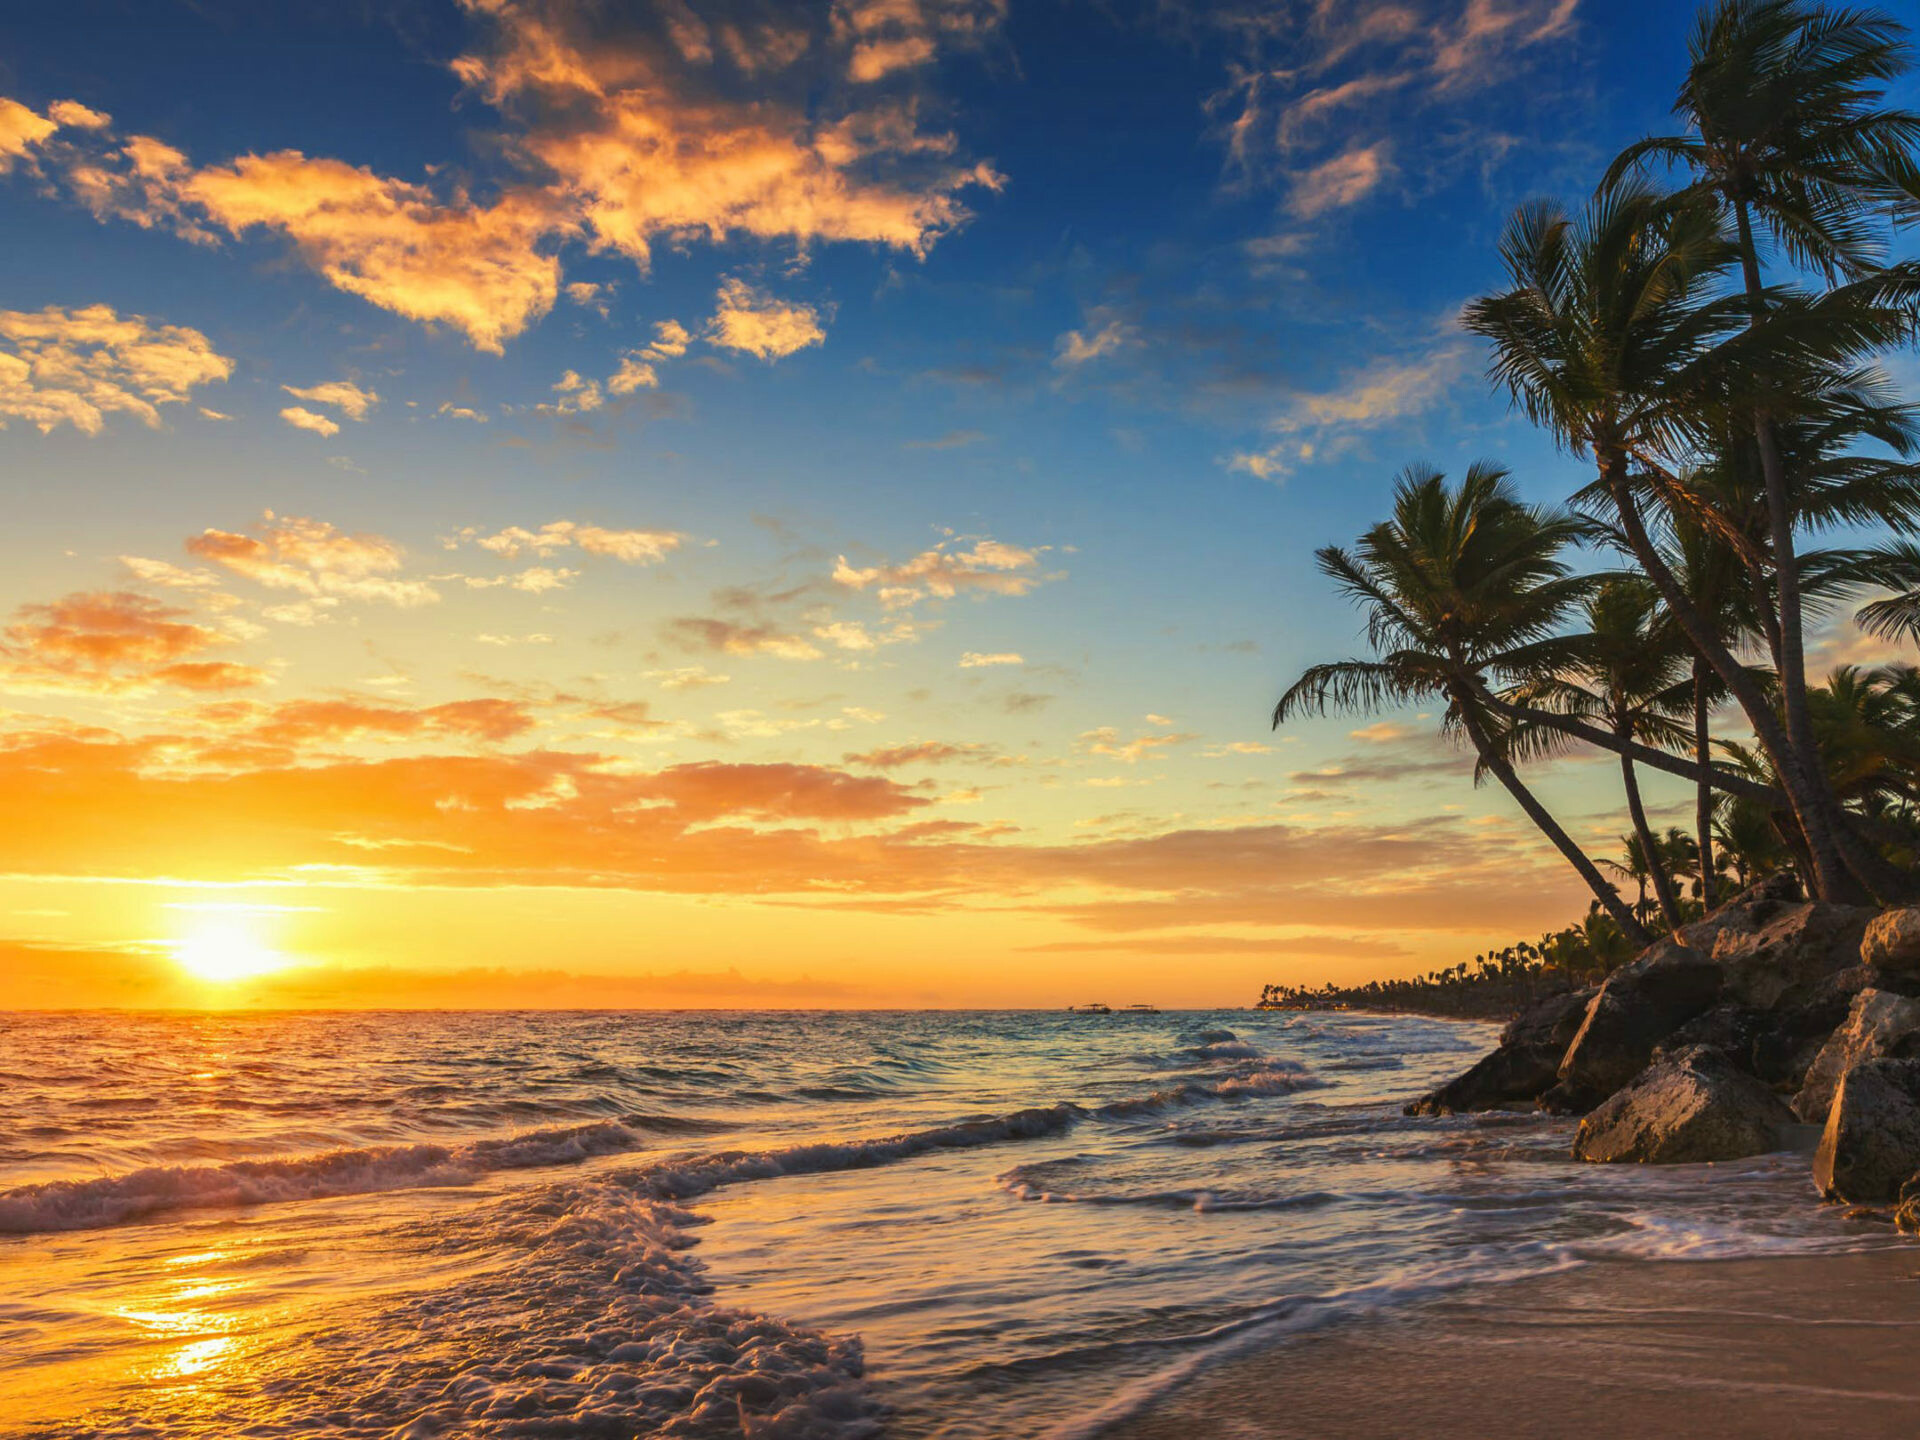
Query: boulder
[(1690, 1107), (1730, 1029), (1769, 947), (1892, 941), (1525, 1063), (1798, 1026), (1878, 1025), (1641, 1004), (1872, 1141), (1737, 912)]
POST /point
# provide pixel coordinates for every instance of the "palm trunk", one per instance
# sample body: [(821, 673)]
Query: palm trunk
[(1729, 781), (1649, 847), (1831, 879), (1548, 826), (1822, 823), (1703, 789)]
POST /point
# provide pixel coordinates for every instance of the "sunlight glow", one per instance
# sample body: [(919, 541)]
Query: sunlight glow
[(223, 951)]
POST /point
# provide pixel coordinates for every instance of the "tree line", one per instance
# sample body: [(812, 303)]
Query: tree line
[(1706, 333)]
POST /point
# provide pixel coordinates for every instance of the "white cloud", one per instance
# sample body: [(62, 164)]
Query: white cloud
[(1310, 425), (975, 660)]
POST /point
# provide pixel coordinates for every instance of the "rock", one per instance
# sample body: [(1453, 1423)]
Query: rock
[(1798, 1026), (1878, 1025), (1641, 1004), (1691, 1107), (1892, 941), (1872, 1141), (1737, 911), (1769, 947), (1730, 1029), (1525, 1063)]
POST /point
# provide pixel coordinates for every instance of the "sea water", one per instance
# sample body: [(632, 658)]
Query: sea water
[(696, 1224)]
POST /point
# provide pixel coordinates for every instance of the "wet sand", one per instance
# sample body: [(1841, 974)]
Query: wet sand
[(1744, 1348)]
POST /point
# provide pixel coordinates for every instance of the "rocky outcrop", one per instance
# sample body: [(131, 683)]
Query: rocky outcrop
[(1798, 1026), (1734, 1030), (1768, 948), (1690, 1107), (1526, 1062), (1878, 1026), (1641, 1004), (1871, 1145), (1892, 941)]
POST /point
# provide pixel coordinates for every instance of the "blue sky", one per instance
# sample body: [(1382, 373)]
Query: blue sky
[(1073, 329)]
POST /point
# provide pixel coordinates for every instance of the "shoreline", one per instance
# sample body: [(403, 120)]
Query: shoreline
[(1765, 1347)]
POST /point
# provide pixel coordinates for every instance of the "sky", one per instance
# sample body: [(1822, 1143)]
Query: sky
[(529, 502)]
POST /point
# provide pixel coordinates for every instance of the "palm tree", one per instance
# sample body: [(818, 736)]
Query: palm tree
[(1786, 133), (1459, 580), (1628, 671), (1605, 339), (1613, 337)]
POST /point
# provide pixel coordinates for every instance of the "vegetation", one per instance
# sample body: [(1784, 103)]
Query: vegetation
[(1705, 332)]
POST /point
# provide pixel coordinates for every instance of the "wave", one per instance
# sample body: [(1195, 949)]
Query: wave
[(157, 1190)]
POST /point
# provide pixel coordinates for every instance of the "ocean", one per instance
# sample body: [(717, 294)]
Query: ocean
[(691, 1224)]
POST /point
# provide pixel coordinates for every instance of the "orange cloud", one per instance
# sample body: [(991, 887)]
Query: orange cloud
[(74, 367), (925, 752), (91, 803), (108, 642), (753, 321), (635, 547), (480, 269), (313, 558), (623, 129), (725, 637), (305, 722), (893, 35), (944, 571)]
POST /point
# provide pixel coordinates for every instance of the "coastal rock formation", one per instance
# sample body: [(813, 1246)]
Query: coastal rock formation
[(1871, 1145), (1892, 941), (1641, 1004), (1734, 1030), (1767, 948), (1878, 1025), (1525, 1063), (1736, 912), (1690, 1107)]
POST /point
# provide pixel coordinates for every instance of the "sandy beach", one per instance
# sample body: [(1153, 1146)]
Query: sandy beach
[(1744, 1348)]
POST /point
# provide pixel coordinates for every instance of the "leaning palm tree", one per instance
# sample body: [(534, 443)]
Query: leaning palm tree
[(1787, 134), (1457, 581), (1611, 336), (1627, 670)]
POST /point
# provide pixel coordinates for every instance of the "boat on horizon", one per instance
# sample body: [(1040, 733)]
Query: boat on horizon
[(1094, 1009), (1141, 1008)]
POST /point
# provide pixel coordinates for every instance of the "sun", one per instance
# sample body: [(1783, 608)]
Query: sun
[(222, 951)]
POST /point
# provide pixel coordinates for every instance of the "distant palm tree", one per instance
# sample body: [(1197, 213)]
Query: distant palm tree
[(1454, 585)]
